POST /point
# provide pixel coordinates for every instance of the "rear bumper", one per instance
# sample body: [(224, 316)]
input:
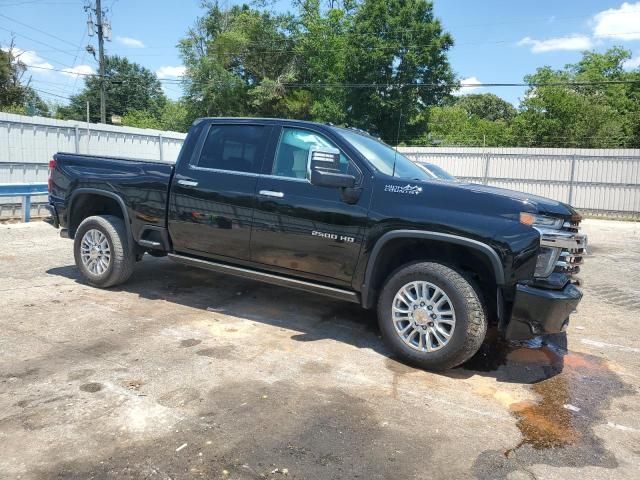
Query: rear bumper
[(53, 218), (538, 311)]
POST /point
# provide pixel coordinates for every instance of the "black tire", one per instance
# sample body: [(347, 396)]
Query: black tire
[(470, 316), (122, 258)]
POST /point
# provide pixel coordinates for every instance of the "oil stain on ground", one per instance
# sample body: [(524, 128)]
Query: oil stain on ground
[(573, 390), (91, 387)]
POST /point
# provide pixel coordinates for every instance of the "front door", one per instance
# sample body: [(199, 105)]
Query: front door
[(300, 228), (213, 195)]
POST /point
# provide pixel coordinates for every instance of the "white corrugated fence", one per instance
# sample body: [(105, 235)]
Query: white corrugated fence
[(599, 182), (28, 143)]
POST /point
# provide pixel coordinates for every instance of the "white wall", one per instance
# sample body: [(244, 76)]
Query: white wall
[(597, 181), (28, 143), (592, 180)]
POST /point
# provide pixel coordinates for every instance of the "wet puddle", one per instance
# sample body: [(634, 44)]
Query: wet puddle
[(571, 390)]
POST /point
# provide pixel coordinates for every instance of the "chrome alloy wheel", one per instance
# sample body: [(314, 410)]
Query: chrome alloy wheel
[(423, 316), (95, 252)]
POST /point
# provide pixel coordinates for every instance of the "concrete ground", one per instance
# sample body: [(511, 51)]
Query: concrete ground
[(182, 373)]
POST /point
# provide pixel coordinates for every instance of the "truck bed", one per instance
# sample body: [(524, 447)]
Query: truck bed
[(143, 186)]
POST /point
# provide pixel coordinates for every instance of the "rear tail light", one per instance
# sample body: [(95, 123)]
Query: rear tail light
[(52, 166)]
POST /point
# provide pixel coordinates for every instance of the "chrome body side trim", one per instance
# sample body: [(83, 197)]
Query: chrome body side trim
[(283, 281)]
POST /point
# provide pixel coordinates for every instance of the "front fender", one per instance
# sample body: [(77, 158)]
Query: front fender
[(486, 250)]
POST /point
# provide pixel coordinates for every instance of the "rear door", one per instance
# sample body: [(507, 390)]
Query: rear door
[(303, 229), (213, 193)]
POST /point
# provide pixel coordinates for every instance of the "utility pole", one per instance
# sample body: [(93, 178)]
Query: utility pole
[(103, 100), (103, 29)]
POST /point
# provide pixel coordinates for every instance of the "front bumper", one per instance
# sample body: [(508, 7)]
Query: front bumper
[(538, 311)]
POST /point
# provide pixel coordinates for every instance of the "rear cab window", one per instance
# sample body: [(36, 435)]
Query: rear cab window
[(233, 148)]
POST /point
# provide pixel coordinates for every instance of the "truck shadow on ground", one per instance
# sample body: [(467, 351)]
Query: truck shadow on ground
[(316, 317)]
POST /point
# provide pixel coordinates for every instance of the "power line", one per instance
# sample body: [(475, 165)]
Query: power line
[(389, 85), (50, 93), (38, 67), (37, 30), (38, 41), (39, 2)]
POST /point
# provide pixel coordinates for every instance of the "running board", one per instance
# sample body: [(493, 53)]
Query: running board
[(320, 289)]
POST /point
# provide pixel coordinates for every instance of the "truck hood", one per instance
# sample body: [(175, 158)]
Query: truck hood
[(542, 205)]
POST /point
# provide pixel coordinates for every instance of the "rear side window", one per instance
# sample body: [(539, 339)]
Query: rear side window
[(235, 148)]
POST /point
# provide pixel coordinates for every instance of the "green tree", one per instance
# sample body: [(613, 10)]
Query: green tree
[(395, 43), (453, 125), (247, 61), (487, 106), (12, 92), (237, 62), (174, 117), (600, 114), (322, 48), (15, 96), (129, 87)]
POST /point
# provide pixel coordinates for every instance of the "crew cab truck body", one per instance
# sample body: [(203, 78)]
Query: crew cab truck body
[(336, 212)]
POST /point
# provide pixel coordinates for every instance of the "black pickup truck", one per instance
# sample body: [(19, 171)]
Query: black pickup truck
[(336, 212)]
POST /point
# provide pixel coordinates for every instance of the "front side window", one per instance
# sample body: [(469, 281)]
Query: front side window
[(293, 154), (236, 148)]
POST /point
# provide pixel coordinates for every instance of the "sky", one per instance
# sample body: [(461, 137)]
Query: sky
[(496, 41)]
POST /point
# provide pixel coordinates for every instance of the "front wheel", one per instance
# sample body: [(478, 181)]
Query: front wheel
[(101, 250), (431, 316)]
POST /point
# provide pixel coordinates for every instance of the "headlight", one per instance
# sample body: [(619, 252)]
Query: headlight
[(543, 221), (546, 261)]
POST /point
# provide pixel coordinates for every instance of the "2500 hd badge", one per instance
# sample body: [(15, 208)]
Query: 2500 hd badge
[(333, 236)]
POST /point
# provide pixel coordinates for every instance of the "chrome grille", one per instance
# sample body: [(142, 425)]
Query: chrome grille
[(574, 247)]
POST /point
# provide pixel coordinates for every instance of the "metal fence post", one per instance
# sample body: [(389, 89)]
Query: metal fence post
[(77, 138), (160, 146), (572, 178), (486, 167), (26, 208)]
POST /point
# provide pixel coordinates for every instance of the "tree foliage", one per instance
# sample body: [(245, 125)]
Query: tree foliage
[(129, 87), (379, 65), (15, 95), (247, 61), (487, 106), (597, 115), (594, 103), (174, 117)]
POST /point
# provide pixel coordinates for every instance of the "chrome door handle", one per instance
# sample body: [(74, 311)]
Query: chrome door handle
[(187, 183), (269, 193)]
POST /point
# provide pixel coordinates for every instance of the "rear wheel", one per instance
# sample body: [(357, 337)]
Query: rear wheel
[(101, 251), (431, 316)]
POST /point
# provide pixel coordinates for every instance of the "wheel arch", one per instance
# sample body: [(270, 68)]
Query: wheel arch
[(79, 207), (377, 264)]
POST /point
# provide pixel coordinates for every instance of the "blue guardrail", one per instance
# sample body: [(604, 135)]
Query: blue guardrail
[(26, 191)]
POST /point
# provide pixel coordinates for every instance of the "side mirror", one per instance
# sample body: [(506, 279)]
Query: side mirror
[(324, 168)]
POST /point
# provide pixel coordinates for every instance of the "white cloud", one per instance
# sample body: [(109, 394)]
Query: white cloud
[(632, 63), (467, 86), (130, 42), (171, 72), (79, 70), (571, 42), (619, 23), (30, 59)]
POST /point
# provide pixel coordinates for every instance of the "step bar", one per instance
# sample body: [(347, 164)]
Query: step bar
[(271, 278)]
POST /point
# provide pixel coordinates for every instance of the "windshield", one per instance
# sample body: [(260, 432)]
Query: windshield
[(382, 156), (438, 172)]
